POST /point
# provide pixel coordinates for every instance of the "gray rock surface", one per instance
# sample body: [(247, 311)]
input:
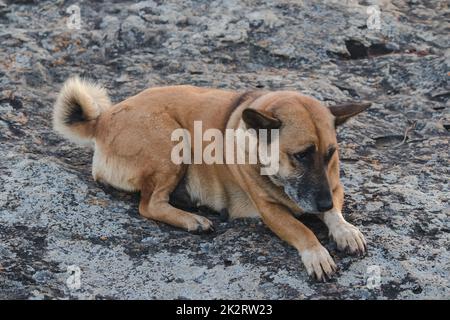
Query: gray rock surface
[(395, 157)]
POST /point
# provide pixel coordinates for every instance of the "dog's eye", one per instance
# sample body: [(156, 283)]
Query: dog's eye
[(302, 155), (329, 154)]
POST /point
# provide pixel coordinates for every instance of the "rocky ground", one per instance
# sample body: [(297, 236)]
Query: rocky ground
[(395, 157)]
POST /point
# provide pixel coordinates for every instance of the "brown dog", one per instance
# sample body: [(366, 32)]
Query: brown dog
[(132, 151)]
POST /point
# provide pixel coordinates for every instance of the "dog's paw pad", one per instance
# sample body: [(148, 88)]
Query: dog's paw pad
[(349, 238), (318, 263), (200, 225)]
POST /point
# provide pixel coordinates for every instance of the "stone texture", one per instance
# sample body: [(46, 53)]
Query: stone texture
[(395, 159)]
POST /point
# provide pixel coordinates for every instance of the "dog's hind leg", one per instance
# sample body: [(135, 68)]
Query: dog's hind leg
[(155, 193)]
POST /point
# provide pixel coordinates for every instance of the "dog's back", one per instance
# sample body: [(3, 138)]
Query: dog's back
[(125, 136)]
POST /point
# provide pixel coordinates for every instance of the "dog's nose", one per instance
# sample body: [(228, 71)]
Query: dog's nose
[(324, 204)]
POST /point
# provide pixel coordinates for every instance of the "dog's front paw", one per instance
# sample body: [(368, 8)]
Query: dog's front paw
[(318, 262), (199, 224), (348, 237)]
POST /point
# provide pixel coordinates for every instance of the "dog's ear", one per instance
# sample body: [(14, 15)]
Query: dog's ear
[(255, 119), (343, 112)]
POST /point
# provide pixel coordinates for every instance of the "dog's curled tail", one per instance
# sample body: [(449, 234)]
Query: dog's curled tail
[(77, 108)]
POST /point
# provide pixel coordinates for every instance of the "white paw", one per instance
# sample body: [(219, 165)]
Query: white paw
[(318, 262), (199, 224), (348, 237)]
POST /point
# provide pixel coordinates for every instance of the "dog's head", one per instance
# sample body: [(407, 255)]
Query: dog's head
[(308, 158)]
